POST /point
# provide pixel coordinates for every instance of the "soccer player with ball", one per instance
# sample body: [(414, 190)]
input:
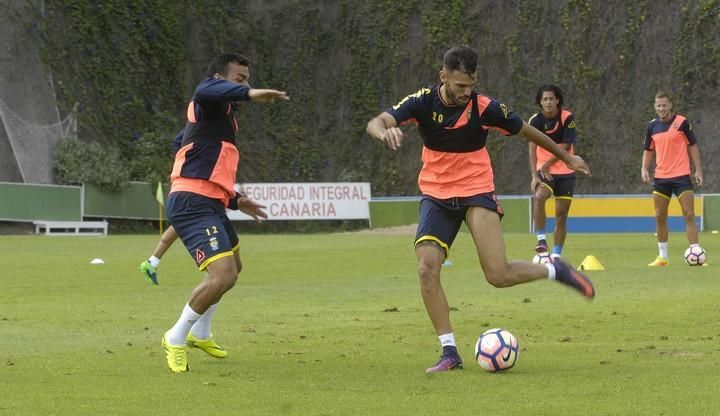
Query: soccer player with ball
[(671, 139), (457, 185)]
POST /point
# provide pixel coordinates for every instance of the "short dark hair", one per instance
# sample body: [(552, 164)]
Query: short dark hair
[(549, 87), (663, 94), (461, 58), (220, 63)]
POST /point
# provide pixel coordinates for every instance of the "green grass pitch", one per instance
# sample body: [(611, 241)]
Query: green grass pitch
[(333, 324)]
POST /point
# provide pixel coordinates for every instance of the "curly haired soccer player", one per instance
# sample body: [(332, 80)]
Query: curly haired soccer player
[(203, 180), (671, 139), (456, 181), (549, 177)]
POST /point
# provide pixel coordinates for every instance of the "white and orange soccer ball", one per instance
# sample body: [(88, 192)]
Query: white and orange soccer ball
[(496, 350), (542, 258), (695, 256)]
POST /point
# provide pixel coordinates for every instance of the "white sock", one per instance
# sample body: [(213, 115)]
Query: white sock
[(551, 270), (663, 249), (201, 329), (541, 237), (555, 255), (447, 340), (154, 261), (177, 335)]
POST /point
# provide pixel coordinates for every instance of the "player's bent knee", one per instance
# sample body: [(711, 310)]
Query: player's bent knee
[(497, 278), (430, 256), (225, 281), (541, 198), (428, 277), (223, 274), (230, 283)]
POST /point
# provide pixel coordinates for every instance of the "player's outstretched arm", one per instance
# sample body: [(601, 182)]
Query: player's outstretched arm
[(544, 169), (384, 128), (267, 95), (534, 135)]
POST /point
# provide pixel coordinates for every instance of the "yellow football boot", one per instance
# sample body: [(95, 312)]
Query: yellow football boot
[(208, 345), (659, 261), (176, 357)]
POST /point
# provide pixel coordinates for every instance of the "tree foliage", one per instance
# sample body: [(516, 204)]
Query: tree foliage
[(132, 64), (78, 162)]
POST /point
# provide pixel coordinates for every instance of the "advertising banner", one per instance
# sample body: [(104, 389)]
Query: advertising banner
[(309, 201)]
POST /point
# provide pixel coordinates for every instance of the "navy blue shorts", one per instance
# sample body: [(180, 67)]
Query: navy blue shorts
[(669, 186), (203, 226), (561, 186), (440, 219)]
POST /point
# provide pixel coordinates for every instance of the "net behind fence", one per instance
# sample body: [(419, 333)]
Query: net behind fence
[(34, 145)]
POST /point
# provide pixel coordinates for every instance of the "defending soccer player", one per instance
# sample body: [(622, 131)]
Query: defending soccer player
[(203, 180), (549, 177)]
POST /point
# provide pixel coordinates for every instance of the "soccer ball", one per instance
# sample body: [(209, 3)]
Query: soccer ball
[(695, 256), (542, 258), (496, 350)]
